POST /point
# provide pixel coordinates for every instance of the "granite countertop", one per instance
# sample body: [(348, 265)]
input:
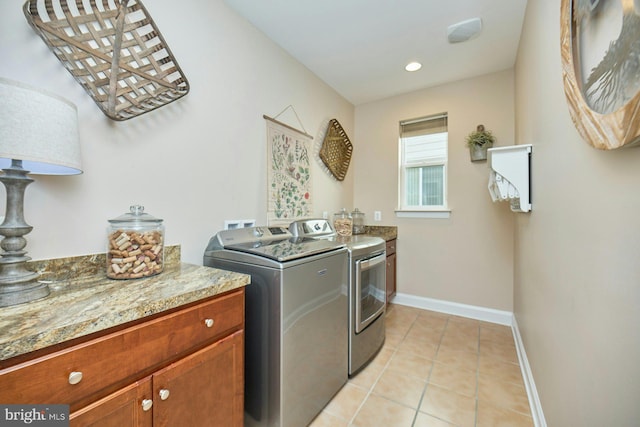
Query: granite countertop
[(386, 232), (84, 301)]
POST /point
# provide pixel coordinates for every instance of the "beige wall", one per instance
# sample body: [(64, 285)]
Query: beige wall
[(204, 155), (577, 274), (467, 258)]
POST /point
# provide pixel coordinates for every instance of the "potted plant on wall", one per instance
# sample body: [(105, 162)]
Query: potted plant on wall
[(478, 142)]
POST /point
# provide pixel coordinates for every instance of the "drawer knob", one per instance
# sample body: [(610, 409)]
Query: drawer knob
[(208, 322), (75, 377), (146, 404), (164, 394)]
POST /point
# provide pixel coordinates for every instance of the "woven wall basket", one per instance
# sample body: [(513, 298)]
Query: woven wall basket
[(113, 49), (336, 150)]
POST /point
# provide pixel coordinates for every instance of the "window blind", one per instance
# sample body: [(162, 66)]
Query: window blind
[(423, 126), (425, 149), (424, 140)]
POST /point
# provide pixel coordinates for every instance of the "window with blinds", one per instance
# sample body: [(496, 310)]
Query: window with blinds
[(423, 163)]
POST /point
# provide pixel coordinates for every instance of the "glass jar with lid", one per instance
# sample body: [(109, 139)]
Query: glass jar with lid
[(342, 223), (135, 245), (357, 216)]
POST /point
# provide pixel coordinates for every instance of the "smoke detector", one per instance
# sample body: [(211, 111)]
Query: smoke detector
[(465, 30)]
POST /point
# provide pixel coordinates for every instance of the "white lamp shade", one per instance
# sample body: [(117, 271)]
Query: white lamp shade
[(39, 128)]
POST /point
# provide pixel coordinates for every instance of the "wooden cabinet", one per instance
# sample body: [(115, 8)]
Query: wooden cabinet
[(204, 389), (129, 407), (391, 269), (193, 355)]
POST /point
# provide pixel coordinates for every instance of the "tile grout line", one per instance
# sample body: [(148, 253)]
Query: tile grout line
[(414, 322), (355, 414), (502, 360), (424, 390), (444, 330)]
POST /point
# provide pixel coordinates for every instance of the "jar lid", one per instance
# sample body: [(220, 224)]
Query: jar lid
[(136, 215), (343, 213), (357, 211)]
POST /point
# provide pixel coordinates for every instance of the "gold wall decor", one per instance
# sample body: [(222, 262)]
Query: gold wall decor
[(113, 49), (600, 48), (336, 150)]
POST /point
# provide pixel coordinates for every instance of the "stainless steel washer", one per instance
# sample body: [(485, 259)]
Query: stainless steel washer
[(296, 344), (367, 288)]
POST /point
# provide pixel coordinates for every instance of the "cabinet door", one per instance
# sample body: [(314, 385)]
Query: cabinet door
[(391, 276), (204, 389), (128, 407)]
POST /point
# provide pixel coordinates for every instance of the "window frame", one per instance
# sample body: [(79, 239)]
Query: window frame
[(405, 210)]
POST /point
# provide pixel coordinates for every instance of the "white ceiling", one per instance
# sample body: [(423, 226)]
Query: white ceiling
[(360, 47)]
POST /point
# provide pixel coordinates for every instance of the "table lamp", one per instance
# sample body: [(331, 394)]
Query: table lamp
[(38, 135)]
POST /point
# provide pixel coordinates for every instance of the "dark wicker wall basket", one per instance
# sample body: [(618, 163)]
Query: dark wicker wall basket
[(113, 49)]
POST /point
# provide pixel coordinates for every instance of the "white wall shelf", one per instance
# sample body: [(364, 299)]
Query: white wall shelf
[(510, 175)]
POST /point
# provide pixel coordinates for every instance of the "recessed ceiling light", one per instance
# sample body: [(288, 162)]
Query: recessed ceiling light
[(413, 66)]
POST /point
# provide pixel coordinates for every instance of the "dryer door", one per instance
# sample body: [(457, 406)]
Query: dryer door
[(370, 290)]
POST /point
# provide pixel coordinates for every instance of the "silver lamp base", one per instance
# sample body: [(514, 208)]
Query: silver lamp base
[(19, 294), (17, 284)]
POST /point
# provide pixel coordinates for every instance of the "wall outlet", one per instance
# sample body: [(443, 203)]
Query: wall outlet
[(377, 216), (325, 214), (231, 224)]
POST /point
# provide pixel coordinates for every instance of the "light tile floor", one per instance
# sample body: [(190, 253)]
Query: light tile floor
[(435, 370)]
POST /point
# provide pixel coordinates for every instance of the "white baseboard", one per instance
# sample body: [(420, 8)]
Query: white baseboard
[(527, 375), (488, 315), (471, 311)]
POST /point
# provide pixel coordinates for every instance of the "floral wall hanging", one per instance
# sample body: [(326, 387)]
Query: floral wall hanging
[(289, 174)]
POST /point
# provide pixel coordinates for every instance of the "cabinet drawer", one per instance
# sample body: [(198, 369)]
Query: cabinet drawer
[(391, 247), (104, 362)]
